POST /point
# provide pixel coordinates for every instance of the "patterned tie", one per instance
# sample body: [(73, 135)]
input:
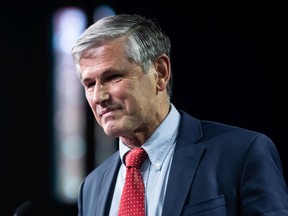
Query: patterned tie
[(133, 195)]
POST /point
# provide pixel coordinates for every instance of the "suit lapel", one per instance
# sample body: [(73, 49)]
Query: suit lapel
[(183, 168), (185, 162), (107, 186)]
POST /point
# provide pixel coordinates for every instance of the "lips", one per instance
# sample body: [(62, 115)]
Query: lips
[(106, 110)]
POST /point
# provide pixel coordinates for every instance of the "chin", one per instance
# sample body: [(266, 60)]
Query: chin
[(114, 132), (111, 131)]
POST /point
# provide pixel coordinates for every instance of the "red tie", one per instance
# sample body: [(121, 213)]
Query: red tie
[(133, 195)]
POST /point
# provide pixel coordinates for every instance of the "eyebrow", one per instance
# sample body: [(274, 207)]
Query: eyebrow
[(104, 74)]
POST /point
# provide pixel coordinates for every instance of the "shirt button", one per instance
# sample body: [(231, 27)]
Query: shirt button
[(158, 165)]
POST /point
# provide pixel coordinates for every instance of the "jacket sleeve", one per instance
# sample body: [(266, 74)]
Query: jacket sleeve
[(263, 189)]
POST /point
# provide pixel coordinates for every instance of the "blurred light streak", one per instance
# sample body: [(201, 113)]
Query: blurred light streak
[(69, 116)]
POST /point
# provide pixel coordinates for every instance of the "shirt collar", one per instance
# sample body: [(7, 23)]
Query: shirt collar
[(159, 144)]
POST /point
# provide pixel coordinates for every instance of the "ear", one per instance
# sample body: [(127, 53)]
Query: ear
[(163, 70)]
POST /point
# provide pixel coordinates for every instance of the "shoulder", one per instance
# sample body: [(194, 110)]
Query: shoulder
[(221, 133)]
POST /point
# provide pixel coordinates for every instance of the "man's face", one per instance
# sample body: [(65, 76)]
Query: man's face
[(123, 99)]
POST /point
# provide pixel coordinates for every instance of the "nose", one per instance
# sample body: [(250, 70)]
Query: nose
[(100, 94)]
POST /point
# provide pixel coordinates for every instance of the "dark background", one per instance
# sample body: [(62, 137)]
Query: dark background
[(229, 60)]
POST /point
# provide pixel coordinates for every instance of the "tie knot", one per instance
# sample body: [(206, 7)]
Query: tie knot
[(135, 158)]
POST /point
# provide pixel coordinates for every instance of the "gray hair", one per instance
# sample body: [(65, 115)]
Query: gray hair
[(144, 40)]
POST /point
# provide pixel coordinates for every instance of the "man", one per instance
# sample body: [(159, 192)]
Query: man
[(194, 167)]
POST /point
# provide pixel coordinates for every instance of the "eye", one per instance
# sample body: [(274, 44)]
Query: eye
[(114, 77), (89, 84)]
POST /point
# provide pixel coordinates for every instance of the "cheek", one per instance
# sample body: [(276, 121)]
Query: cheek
[(119, 91)]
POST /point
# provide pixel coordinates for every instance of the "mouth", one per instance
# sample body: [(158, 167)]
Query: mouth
[(106, 110)]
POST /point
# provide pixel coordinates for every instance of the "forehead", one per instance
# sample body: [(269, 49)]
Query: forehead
[(110, 52), (115, 46)]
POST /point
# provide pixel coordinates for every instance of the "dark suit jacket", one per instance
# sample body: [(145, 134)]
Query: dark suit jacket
[(217, 170)]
